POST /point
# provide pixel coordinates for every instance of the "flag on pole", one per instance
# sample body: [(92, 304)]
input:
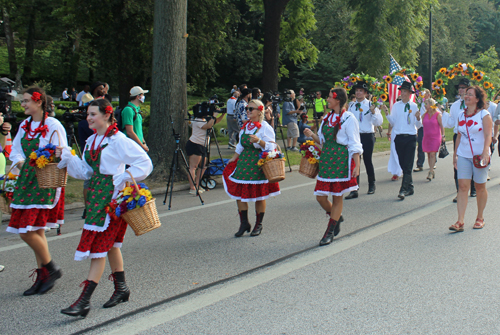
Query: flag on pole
[(397, 81)]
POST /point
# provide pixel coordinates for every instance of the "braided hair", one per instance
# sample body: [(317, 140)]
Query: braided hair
[(104, 106), (342, 98)]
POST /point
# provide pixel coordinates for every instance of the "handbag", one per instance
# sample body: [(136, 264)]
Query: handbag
[(443, 151), (476, 159)]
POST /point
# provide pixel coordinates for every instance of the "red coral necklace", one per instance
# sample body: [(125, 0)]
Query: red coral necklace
[(94, 153), (30, 134)]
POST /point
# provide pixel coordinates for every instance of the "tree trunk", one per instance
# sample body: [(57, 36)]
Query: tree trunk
[(274, 10), (168, 98), (9, 38), (74, 61), (30, 45)]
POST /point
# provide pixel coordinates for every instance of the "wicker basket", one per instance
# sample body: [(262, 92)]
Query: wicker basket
[(274, 170), (307, 169), (143, 219), (51, 176), (5, 203)]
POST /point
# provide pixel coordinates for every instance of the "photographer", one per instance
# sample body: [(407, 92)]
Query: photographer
[(290, 112), (132, 118), (196, 146)]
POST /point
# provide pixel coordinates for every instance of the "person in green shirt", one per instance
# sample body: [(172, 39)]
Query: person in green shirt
[(320, 104), (132, 118)]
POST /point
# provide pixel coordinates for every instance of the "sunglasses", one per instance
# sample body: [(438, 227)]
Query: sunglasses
[(249, 109)]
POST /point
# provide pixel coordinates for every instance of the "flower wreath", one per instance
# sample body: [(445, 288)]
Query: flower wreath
[(415, 79), (379, 95), (467, 70)]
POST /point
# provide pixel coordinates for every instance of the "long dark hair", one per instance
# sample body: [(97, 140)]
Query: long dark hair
[(102, 104), (43, 98), (342, 98), (480, 94)]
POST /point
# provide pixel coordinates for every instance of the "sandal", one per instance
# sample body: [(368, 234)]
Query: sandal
[(458, 227), (479, 224)]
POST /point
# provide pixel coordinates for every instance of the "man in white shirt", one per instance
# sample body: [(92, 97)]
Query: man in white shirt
[(368, 117), (232, 124), (405, 120), (456, 109), (65, 95), (81, 94)]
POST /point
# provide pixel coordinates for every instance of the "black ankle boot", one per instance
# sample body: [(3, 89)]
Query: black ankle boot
[(121, 293), (258, 224), (81, 306), (244, 225), (38, 276), (54, 273), (352, 195), (336, 231), (371, 188), (328, 237)]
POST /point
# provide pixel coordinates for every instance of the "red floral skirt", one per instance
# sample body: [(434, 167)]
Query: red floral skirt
[(95, 244), (25, 220), (247, 192), (337, 188)]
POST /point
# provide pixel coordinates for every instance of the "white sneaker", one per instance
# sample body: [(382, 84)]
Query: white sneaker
[(1, 268), (192, 192), (231, 146), (294, 149)]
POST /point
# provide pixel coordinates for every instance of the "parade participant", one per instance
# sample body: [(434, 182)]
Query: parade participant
[(339, 137), (243, 180), (103, 162), (34, 208), (405, 120), (433, 134), (456, 109), (393, 165), (420, 136), (368, 117), (473, 139)]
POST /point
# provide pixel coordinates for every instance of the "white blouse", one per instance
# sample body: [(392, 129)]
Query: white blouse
[(399, 119), (476, 132), (366, 119), (265, 133), (348, 134), (53, 124)]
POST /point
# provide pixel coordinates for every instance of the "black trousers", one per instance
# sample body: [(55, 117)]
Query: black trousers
[(368, 143), (405, 147), (472, 186), (421, 153)]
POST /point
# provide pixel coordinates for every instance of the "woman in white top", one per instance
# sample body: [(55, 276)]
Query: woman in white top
[(339, 162), (196, 146), (103, 162), (474, 126), (243, 179)]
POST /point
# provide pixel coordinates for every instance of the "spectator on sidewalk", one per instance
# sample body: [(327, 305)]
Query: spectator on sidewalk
[(85, 90), (106, 95), (240, 112), (73, 94), (232, 124), (132, 118), (65, 95), (291, 109)]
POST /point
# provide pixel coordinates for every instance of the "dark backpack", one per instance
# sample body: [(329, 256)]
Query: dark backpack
[(118, 116)]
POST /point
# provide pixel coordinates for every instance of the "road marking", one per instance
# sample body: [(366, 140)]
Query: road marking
[(228, 290)]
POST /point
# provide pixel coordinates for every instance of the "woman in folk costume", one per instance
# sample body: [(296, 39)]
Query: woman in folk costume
[(339, 161), (103, 162), (33, 208), (243, 179)]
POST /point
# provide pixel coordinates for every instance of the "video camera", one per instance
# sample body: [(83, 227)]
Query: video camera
[(287, 97), (6, 104), (207, 109), (73, 114)]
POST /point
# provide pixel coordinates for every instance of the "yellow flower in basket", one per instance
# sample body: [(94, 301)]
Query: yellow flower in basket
[(12, 176), (310, 142), (41, 162), (73, 152), (268, 158), (144, 192), (127, 191), (32, 155), (260, 162), (312, 160)]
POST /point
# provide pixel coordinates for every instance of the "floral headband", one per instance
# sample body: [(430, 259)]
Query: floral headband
[(108, 110), (36, 96)]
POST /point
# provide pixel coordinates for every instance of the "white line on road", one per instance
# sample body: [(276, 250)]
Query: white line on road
[(228, 290)]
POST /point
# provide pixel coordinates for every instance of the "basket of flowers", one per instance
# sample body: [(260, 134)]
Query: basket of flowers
[(47, 172), (309, 164), (272, 164), (7, 192), (135, 204)]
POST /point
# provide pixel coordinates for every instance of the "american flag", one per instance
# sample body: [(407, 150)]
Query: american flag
[(397, 81)]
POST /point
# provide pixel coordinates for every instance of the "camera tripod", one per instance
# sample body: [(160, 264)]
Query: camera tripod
[(276, 126), (175, 166), (206, 154)]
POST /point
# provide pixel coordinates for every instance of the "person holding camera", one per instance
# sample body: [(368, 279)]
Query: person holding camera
[(35, 208), (196, 148), (105, 157), (243, 179), (291, 109), (339, 137), (132, 118)]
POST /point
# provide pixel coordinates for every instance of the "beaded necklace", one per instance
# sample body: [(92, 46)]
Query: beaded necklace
[(42, 129), (94, 153)]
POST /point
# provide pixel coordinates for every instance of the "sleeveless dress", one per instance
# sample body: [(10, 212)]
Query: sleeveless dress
[(432, 133), (335, 174), (38, 208), (244, 180), (95, 244)]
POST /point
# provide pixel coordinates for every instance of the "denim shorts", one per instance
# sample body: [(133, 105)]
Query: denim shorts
[(467, 170)]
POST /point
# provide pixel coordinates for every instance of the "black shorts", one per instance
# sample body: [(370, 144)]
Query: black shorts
[(195, 149), (318, 115)]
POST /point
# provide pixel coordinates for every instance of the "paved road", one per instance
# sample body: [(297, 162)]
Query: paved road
[(395, 268)]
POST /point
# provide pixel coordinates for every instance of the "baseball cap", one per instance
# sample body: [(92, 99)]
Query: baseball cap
[(136, 90)]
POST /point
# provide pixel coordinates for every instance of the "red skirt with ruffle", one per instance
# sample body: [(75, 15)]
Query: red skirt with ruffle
[(95, 244), (25, 220), (337, 188), (247, 192)]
